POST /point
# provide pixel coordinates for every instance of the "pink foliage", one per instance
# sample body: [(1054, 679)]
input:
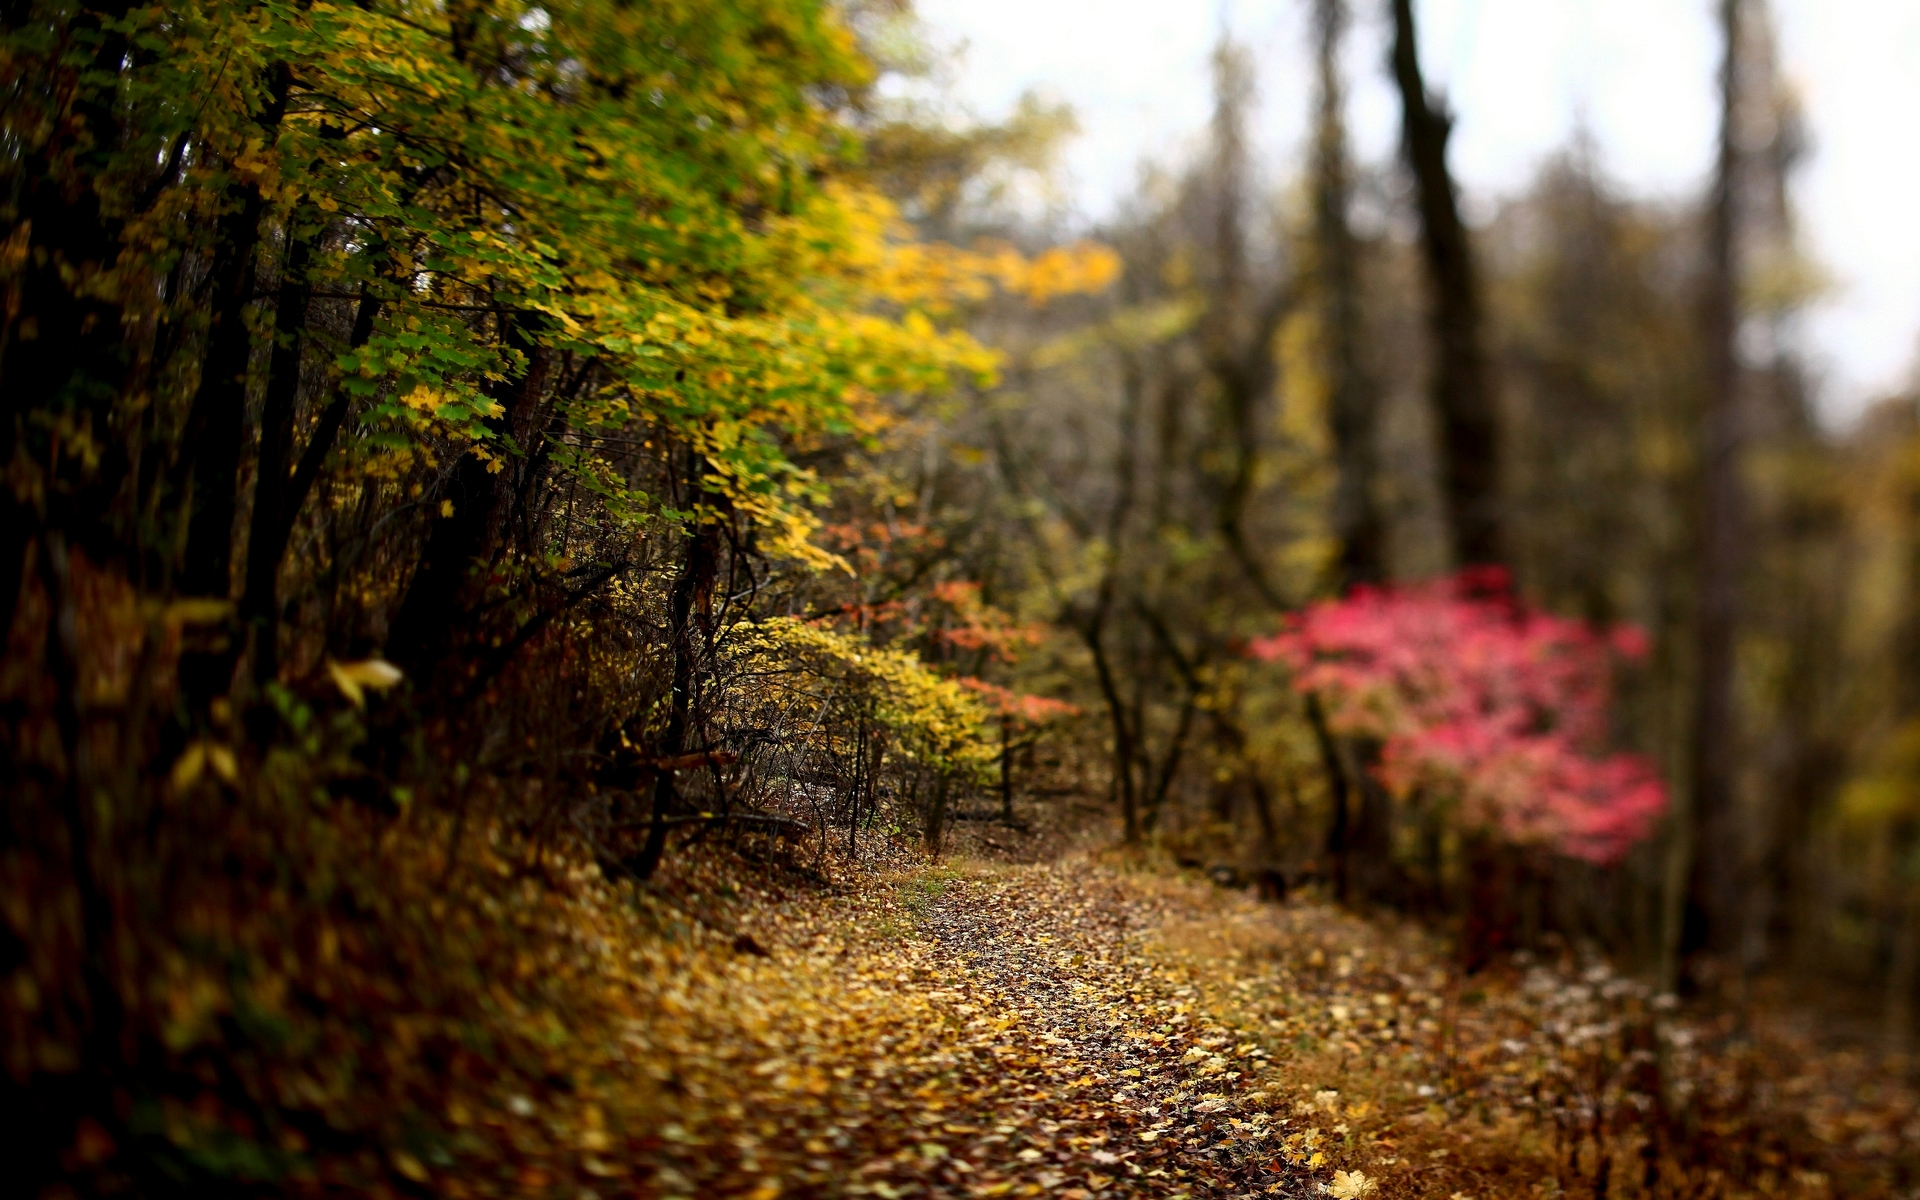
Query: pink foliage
[(1478, 699)]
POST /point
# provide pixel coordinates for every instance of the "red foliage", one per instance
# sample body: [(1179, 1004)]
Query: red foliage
[(977, 625), (1023, 707), (1478, 699)]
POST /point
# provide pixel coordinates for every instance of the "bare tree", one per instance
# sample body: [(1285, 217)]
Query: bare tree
[(1241, 318), (1462, 395), (1707, 825), (1351, 401)]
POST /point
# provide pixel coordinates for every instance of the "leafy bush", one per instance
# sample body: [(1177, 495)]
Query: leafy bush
[(1493, 709)]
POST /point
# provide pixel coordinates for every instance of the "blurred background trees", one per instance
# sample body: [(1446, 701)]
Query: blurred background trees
[(1278, 400)]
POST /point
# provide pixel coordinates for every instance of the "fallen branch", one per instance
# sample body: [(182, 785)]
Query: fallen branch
[(785, 826)]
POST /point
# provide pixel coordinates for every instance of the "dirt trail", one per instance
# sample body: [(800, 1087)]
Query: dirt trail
[(1009, 1031), (1077, 1030), (1110, 1080)]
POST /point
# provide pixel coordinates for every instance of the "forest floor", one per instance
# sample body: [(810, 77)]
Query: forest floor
[(1059, 1028), (1078, 1028), (1087, 1025)]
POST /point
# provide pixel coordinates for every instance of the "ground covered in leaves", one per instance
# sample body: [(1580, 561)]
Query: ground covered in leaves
[(1077, 1029), (1086, 1026)]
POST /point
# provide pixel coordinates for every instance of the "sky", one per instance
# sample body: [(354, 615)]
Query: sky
[(1522, 75)]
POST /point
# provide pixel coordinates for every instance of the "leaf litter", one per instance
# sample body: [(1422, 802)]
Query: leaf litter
[(1075, 1028), (991, 1033), (1079, 1028)]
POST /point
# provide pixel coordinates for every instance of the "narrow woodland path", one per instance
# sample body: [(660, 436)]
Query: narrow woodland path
[(1100, 1068), (1078, 1030), (1005, 1031)]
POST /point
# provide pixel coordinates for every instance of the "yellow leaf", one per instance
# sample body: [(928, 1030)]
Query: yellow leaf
[(1349, 1185), (352, 678), (187, 768), (409, 1166), (222, 761)]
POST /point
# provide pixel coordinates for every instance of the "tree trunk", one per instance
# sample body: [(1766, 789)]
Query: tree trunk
[(1239, 329), (1094, 633), (1463, 397), (266, 537), (463, 535), (1339, 819), (687, 612), (1006, 769), (1375, 874), (1490, 918), (320, 442), (216, 424), (1903, 963), (61, 349), (1351, 400), (1713, 905), (936, 823), (1094, 629)]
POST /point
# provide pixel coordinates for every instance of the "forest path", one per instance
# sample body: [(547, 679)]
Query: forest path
[(1062, 1029), (1099, 1064)]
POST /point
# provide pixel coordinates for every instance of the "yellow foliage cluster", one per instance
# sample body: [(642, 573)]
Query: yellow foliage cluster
[(931, 719), (938, 278)]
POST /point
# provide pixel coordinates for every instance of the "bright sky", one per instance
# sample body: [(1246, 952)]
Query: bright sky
[(1520, 74)]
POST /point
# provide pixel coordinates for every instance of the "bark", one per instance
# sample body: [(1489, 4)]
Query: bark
[(267, 535), (1094, 628), (936, 824), (1351, 399), (1713, 905), (325, 432), (1006, 769), (1263, 812), (1243, 365), (1462, 393), (420, 639), (1903, 963), (63, 356), (1195, 688), (1373, 873), (1155, 801), (1339, 801), (1488, 928), (690, 604), (62, 349), (1093, 633), (1240, 332), (216, 424)]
